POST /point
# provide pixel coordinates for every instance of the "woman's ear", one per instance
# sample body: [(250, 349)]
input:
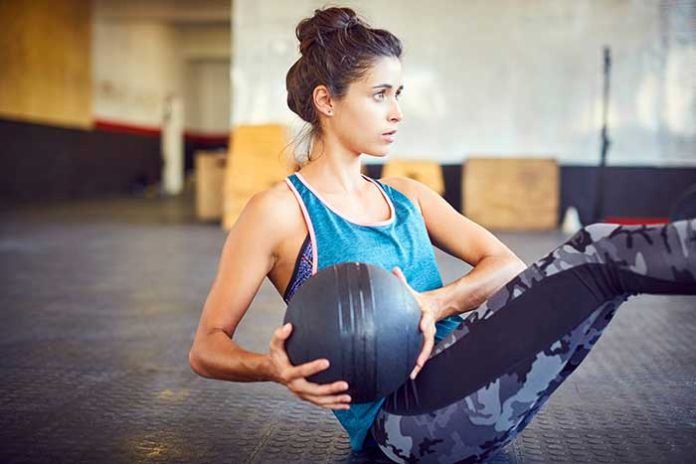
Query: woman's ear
[(322, 100)]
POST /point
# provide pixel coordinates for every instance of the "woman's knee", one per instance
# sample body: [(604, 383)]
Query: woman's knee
[(598, 229), (591, 233)]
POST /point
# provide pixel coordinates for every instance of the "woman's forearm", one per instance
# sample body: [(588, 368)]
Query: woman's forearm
[(218, 357), (470, 291)]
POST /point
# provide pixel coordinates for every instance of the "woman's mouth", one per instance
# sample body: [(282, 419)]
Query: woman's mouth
[(389, 136)]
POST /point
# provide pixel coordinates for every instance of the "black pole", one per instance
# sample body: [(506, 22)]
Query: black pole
[(599, 203)]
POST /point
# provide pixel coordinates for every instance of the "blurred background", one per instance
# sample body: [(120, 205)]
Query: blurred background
[(96, 95), (132, 132)]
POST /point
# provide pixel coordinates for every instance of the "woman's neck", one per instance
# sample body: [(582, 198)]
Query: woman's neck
[(334, 169)]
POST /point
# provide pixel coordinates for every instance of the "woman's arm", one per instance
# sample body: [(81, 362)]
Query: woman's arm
[(469, 291), (246, 258), (249, 254), (494, 263)]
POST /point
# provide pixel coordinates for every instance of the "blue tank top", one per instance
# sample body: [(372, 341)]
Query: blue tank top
[(402, 240)]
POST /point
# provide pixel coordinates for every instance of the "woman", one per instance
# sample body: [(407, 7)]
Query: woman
[(346, 86)]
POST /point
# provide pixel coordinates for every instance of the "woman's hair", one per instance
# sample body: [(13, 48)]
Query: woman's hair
[(337, 48)]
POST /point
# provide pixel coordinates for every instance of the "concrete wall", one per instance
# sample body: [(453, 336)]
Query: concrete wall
[(207, 95), (141, 57), (135, 66), (45, 62), (505, 77)]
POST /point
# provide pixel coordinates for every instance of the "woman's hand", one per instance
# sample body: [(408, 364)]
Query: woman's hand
[(294, 377), (427, 323)]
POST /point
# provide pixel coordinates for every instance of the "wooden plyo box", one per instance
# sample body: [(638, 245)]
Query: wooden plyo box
[(210, 176), (514, 194), (427, 172), (257, 159)]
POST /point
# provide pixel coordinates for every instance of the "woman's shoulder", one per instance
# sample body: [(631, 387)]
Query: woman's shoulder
[(405, 186), (274, 209), (277, 200)]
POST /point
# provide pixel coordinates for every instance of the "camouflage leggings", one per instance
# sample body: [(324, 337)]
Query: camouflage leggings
[(486, 380)]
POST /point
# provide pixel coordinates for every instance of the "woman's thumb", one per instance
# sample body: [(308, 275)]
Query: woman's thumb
[(399, 273), (285, 330)]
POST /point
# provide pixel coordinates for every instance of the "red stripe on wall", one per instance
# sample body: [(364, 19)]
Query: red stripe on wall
[(635, 220), (189, 136), (112, 126)]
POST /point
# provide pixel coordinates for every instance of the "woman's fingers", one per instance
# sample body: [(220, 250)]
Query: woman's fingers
[(331, 402), (422, 359), (331, 396), (279, 336), (423, 356), (427, 326), (302, 386), (326, 389), (307, 369), (286, 371), (337, 406), (398, 273), (427, 322), (294, 377)]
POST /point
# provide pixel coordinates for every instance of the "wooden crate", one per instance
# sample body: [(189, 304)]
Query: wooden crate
[(427, 172), (258, 158), (210, 176), (515, 194)]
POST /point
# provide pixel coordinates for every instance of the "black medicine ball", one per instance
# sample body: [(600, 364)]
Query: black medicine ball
[(364, 321)]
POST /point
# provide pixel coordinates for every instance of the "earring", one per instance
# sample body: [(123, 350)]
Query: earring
[(329, 112)]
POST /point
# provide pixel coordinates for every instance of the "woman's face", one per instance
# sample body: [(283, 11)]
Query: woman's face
[(366, 118)]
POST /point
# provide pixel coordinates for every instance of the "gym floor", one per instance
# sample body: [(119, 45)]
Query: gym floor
[(100, 301)]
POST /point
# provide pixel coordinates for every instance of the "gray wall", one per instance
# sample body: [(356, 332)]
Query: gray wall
[(504, 77)]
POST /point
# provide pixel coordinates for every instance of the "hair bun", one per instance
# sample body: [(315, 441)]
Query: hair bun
[(338, 48), (315, 30)]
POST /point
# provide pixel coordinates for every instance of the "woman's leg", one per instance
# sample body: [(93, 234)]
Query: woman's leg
[(511, 353)]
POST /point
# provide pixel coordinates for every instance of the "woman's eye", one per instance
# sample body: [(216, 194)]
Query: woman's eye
[(380, 96)]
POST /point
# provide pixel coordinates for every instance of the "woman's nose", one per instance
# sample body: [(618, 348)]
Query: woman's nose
[(395, 115)]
